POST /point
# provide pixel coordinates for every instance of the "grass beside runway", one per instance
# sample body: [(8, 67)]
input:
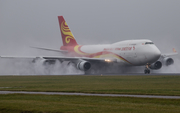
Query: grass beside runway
[(18, 103), (150, 85)]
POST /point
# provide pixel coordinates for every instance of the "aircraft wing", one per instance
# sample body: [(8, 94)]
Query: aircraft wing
[(170, 54), (80, 58), (82, 63), (62, 58), (16, 57)]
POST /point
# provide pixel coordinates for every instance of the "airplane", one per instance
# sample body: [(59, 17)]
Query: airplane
[(128, 53)]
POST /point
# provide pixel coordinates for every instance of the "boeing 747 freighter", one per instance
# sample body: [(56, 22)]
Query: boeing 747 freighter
[(126, 53)]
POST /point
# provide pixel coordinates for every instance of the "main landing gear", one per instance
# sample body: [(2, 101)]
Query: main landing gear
[(147, 70)]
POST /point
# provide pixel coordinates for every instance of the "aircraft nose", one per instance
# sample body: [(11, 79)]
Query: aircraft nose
[(157, 53), (153, 54)]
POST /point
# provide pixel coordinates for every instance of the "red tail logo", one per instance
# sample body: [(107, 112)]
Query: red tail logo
[(67, 37)]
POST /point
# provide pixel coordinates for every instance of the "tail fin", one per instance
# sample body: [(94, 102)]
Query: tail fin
[(67, 37)]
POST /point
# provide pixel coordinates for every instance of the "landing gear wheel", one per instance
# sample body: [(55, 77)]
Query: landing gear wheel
[(147, 71)]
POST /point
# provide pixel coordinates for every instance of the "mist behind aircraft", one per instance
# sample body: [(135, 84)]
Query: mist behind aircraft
[(34, 23)]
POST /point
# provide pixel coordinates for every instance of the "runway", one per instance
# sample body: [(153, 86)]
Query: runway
[(89, 94)]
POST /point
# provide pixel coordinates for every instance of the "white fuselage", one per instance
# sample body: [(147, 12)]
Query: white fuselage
[(129, 52)]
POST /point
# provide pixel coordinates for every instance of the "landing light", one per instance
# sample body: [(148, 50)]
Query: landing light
[(107, 60)]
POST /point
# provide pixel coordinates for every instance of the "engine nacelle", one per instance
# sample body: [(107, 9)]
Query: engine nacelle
[(44, 61), (168, 61), (49, 62), (83, 65), (156, 65)]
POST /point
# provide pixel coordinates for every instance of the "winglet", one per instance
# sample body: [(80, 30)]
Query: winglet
[(174, 50)]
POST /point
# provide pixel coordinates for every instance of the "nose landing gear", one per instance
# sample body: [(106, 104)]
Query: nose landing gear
[(147, 70)]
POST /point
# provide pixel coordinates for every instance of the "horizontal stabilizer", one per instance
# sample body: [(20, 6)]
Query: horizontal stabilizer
[(47, 49)]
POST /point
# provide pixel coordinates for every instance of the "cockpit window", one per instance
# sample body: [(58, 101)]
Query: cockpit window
[(149, 43)]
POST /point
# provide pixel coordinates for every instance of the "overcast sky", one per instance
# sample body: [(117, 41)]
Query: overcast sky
[(25, 23)]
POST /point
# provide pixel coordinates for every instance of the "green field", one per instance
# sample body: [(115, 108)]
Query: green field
[(19, 103), (150, 85)]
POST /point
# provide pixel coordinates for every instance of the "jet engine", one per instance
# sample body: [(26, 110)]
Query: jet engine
[(156, 65), (49, 62), (44, 61), (83, 65), (168, 61)]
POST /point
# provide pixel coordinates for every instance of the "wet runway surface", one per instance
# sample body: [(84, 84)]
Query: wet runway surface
[(89, 94)]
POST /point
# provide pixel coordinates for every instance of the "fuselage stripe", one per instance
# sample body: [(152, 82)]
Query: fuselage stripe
[(78, 52)]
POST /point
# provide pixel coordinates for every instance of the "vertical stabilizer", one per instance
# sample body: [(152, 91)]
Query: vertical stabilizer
[(67, 36)]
